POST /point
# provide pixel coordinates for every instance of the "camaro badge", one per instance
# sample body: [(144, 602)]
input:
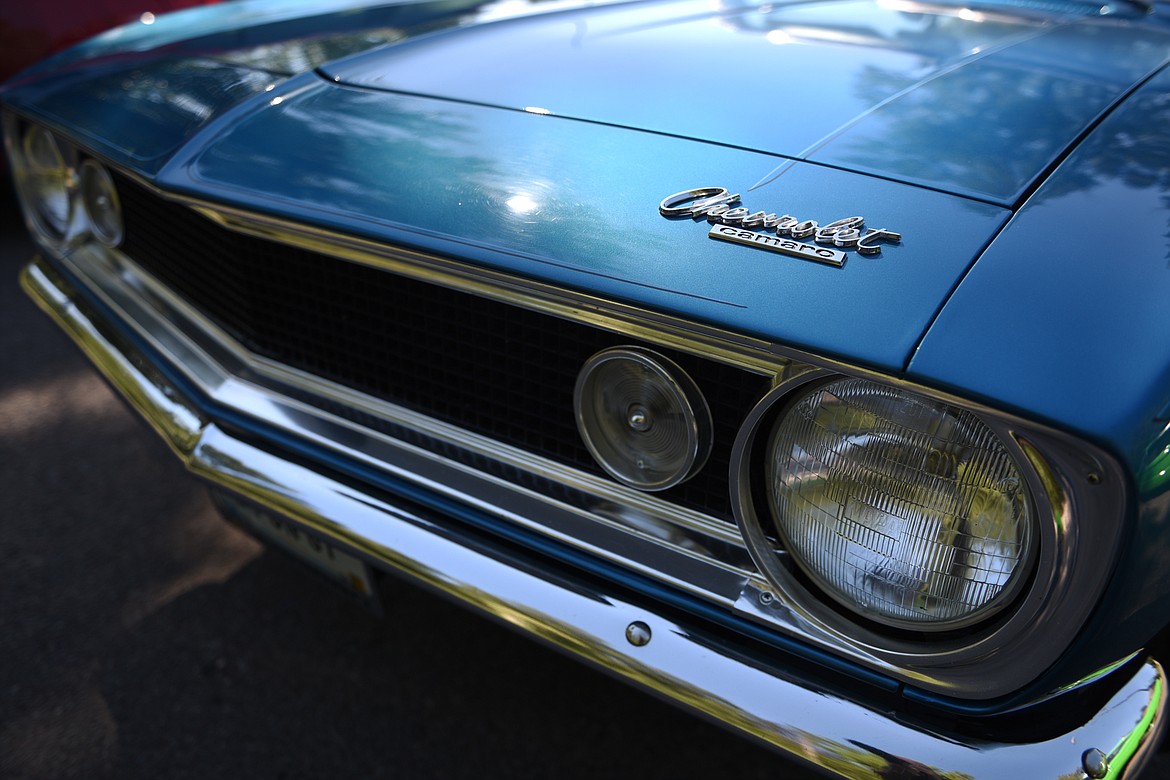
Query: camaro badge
[(741, 226)]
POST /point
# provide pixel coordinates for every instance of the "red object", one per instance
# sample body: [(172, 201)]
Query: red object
[(32, 30)]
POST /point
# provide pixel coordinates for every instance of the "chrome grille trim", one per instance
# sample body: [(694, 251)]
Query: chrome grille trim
[(681, 548), (230, 376), (443, 350), (703, 341), (762, 697)]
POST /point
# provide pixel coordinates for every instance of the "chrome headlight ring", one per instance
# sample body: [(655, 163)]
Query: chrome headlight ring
[(905, 510), (45, 173), (100, 203), (65, 195), (1039, 613), (643, 419)]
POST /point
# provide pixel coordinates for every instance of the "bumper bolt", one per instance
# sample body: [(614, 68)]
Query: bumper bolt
[(1095, 763), (638, 634)]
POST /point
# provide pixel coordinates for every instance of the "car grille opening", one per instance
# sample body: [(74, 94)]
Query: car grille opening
[(492, 368)]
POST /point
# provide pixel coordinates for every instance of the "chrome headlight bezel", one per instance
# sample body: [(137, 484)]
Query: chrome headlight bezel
[(675, 456), (100, 203), (75, 223), (1074, 488), (25, 140), (927, 540)]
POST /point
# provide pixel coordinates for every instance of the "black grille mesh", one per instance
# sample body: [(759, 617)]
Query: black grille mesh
[(486, 366)]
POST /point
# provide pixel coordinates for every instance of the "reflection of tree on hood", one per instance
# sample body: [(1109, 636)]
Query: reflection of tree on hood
[(1138, 156), (941, 113), (1027, 111)]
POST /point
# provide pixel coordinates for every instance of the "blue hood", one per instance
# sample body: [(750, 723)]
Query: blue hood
[(520, 144), (978, 102)]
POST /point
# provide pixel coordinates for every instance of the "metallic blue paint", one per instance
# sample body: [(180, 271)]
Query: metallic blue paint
[(243, 25), (1011, 96), (1065, 318), (141, 114), (526, 193), (136, 93), (1068, 304)]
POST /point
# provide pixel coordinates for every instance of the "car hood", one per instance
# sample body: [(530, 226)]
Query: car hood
[(577, 204), (545, 163), (969, 101)]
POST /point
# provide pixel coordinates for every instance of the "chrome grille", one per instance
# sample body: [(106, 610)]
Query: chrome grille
[(487, 366)]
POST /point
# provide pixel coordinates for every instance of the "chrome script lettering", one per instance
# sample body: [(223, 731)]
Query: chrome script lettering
[(700, 202), (784, 246), (719, 206)]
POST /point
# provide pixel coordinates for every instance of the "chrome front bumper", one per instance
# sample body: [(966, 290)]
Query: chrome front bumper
[(588, 620)]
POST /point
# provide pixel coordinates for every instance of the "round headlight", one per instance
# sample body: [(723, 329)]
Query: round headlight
[(643, 419), (44, 181), (906, 510), (102, 207)]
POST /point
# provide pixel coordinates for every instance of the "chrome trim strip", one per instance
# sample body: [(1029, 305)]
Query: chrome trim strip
[(688, 667), (219, 365), (685, 549), (666, 331), (176, 419)]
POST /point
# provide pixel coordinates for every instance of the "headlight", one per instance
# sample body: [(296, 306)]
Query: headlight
[(103, 209), (643, 419), (906, 510), (44, 181)]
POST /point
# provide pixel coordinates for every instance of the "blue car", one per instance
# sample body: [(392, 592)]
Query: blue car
[(804, 363)]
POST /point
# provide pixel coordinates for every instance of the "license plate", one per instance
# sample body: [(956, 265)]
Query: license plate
[(350, 572)]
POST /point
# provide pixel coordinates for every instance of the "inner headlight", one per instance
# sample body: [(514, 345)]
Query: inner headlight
[(642, 418), (45, 182), (904, 509), (99, 197)]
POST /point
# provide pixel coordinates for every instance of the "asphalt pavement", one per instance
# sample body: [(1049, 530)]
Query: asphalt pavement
[(143, 637)]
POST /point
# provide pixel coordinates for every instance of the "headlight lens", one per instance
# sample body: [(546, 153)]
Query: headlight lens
[(100, 199), (45, 182), (642, 418), (904, 509)]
